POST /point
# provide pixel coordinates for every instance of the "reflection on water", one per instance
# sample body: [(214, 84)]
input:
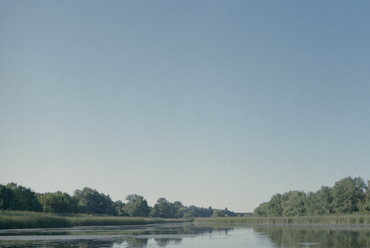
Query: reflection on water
[(320, 236), (185, 235), (107, 236)]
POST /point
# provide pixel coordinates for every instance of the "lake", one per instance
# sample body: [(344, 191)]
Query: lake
[(190, 235)]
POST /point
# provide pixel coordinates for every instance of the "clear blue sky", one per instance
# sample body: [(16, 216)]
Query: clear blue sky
[(212, 103)]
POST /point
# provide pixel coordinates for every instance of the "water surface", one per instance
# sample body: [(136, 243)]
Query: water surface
[(190, 235)]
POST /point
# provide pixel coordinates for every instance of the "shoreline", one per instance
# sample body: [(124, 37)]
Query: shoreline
[(317, 219), (28, 220)]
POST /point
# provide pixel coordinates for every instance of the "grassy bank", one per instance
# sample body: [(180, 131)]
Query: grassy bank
[(322, 219), (23, 219)]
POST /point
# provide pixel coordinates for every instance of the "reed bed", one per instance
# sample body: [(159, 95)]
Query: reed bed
[(320, 219), (23, 219), (20, 219)]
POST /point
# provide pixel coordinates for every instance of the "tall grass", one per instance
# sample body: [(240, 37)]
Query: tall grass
[(319, 219), (23, 219)]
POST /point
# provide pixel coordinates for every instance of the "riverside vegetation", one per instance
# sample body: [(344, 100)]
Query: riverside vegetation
[(348, 201), (20, 207), (26, 219), (347, 196), (318, 219), (90, 201)]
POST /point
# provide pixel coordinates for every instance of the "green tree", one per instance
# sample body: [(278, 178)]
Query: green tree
[(161, 209), (24, 198), (229, 213), (200, 212), (218, 213), (175, 207), (120, 208), (261, 210), (325, 200), (7, 198), (275, 206), (312, 204), (295, 203), (188, 214), (58, 202), (348, 194), (92, 202), (137, 206), (183, 212), (365, 205)]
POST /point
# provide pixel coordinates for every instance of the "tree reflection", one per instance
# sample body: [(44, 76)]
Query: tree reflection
[(318, 237), (114, 237), (162, 242), (135, 242)]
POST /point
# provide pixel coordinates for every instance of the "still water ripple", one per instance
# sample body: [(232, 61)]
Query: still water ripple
[(190, 235)]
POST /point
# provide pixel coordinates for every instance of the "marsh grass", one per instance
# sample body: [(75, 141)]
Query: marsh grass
[(320, 219), (23, 219), (20, 219)]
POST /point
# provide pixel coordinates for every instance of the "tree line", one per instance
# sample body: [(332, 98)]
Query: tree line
[(348, 195), (90, 201)]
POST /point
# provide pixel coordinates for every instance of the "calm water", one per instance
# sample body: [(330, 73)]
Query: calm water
[(190, 235)]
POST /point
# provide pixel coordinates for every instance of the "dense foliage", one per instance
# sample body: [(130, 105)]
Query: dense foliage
[(347, 196), (90, 201), (13, 197)]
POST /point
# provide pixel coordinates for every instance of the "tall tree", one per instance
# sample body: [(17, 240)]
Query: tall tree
[(261, 210), (91, 201), (365, 205), (348, 193), (7, 198), (325, 200), (58, 202), (295, 204), (120, 208), (175, 210), (24, 198), (275, 206), (218, 213), (161, 209), (312, 204), (137, 206)]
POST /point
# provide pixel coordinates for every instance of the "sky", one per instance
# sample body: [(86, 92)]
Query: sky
[(211, 103)]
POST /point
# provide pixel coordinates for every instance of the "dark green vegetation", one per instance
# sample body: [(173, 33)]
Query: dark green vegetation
[(25, 219), (89, 207), (347, 196), (296, 236), (318, 219), (90, 201), (13, 197)]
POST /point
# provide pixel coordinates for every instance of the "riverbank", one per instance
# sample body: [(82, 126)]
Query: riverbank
[(23, 219), (320, 219)]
